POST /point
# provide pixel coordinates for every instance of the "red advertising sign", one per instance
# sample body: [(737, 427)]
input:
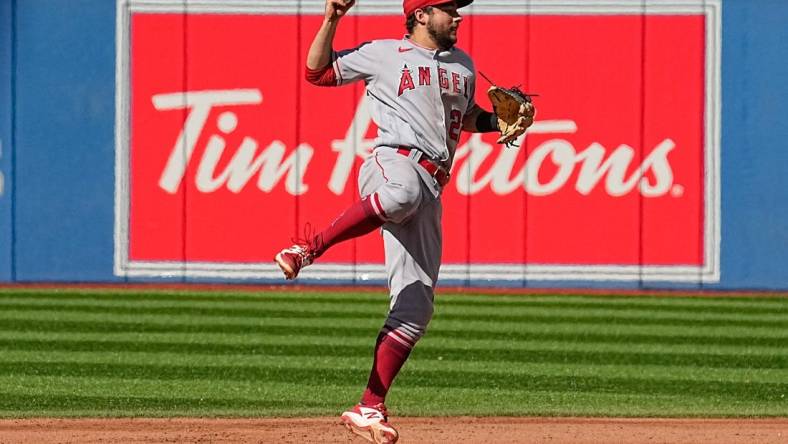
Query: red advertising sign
[(226, 152)]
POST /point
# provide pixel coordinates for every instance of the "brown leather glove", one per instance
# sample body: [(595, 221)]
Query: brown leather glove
[(515, 111)]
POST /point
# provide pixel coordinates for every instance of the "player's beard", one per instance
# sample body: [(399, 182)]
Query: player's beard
[(442, 37)]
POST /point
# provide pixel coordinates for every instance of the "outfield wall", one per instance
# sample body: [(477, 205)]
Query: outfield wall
[(6, 151), (110, 173)]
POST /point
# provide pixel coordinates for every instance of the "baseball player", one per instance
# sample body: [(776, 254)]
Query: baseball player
[(422, 90)]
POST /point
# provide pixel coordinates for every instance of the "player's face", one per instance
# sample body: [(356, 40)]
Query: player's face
[(442, 25)]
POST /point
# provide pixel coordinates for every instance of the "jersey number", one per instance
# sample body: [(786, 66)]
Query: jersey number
[(455, 121)]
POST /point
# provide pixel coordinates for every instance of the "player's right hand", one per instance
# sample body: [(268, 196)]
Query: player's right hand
[(336, 9)]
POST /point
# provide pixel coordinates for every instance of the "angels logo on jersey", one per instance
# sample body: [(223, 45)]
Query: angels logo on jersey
[(458, 84)]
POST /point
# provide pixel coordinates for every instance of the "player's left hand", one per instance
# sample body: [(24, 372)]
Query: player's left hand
[(515, 112)]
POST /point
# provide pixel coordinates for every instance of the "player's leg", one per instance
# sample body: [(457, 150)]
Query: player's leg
[(386, 196), (413, 251), (359, 219)]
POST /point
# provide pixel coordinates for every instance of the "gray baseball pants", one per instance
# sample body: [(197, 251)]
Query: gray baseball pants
[(410, 199)]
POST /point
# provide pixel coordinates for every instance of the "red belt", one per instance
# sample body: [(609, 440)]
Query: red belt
[(438, 172)]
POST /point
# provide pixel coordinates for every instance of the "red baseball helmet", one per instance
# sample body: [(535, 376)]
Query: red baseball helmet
[(408, 6)]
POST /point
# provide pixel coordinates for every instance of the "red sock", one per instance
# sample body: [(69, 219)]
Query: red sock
[(390, 355), (361, 218)]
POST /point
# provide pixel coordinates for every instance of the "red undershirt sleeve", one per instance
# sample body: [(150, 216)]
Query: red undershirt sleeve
[(321, 77)]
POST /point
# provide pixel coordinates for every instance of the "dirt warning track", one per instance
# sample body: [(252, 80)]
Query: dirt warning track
[(470, 430)]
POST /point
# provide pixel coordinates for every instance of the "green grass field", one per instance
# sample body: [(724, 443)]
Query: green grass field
[(276, 353)]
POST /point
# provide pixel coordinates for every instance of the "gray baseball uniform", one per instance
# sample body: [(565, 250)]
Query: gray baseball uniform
[(419, 97)]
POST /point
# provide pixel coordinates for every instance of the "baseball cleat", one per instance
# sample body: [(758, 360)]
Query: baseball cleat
[(292, 260), (370, 423)]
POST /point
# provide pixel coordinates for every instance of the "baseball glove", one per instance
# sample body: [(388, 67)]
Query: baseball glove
[(515, 112)]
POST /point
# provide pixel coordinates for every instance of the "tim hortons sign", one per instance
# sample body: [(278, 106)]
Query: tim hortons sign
[(225, 152)]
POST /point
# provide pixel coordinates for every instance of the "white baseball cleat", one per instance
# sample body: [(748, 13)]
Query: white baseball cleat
[(292, 260), (370, 423)]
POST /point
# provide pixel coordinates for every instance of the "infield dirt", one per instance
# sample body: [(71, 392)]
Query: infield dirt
[(470, 430)]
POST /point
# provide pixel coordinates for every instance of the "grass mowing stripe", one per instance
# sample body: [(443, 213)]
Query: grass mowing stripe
[(418, 378), (460, 354), (113, 326), (253, 390), (60, 323), (294, 335), (422, 402), (417, 401), (197, 309), (334, 337), (417, 363), (587, 301), (185, 325), (557, 316), (265, 295), (20, 326), (318, 305), (23, 402), (489, 303)]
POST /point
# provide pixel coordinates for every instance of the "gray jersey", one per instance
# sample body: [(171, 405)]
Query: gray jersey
[(418, 95)]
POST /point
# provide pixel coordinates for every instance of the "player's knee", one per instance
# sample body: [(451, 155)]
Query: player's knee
[(400, 201), (413, 309)]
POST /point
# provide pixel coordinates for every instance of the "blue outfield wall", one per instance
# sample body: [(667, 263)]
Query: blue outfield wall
[(6, 152), (64, 140), (57, 127), (754, 144)]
